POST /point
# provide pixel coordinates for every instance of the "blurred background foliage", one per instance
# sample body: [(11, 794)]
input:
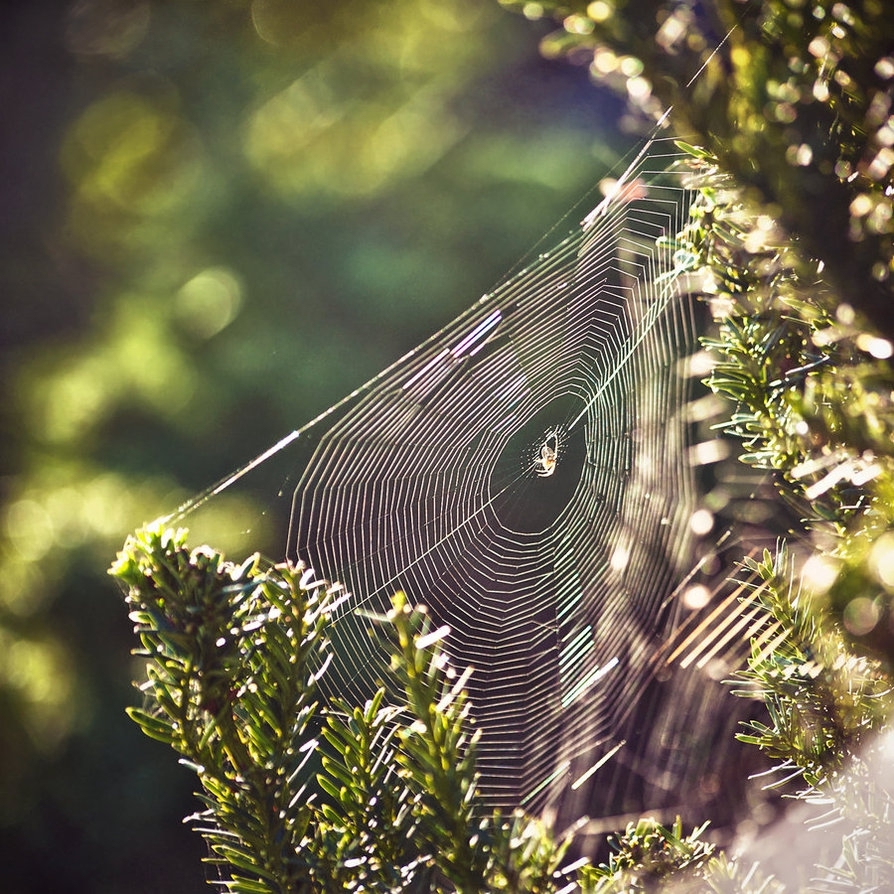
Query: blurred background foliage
[(219, 216), (792, 97)]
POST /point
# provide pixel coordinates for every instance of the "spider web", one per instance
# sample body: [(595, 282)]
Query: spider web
[(527, 474)]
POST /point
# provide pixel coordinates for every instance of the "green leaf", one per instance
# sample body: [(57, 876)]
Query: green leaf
[(694, 151), (154, 727)]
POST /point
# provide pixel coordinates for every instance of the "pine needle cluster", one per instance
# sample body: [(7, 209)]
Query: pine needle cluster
[(303, 793)]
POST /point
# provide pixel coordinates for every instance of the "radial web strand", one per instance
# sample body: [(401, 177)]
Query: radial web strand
[(526, 474)]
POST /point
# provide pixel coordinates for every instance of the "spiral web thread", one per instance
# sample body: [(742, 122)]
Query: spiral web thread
[(526, 474)]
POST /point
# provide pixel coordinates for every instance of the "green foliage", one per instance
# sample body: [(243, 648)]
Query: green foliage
[(645, 856), (383, 799), (793, 99), (812, 405), (812, 397), (231, 687), (828, 711), (824, 702), (435, 752), (366, 830), (809, 395), (652, 857), (812, 394)]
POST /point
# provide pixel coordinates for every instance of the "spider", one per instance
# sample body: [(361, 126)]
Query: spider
[(549, 454)]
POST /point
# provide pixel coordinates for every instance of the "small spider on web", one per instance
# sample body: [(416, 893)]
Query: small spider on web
[(548, 455)]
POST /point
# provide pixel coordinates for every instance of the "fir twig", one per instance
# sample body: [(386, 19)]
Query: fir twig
[(303, 793)]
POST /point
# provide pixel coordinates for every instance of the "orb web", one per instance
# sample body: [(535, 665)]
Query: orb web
[(525, 474)]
